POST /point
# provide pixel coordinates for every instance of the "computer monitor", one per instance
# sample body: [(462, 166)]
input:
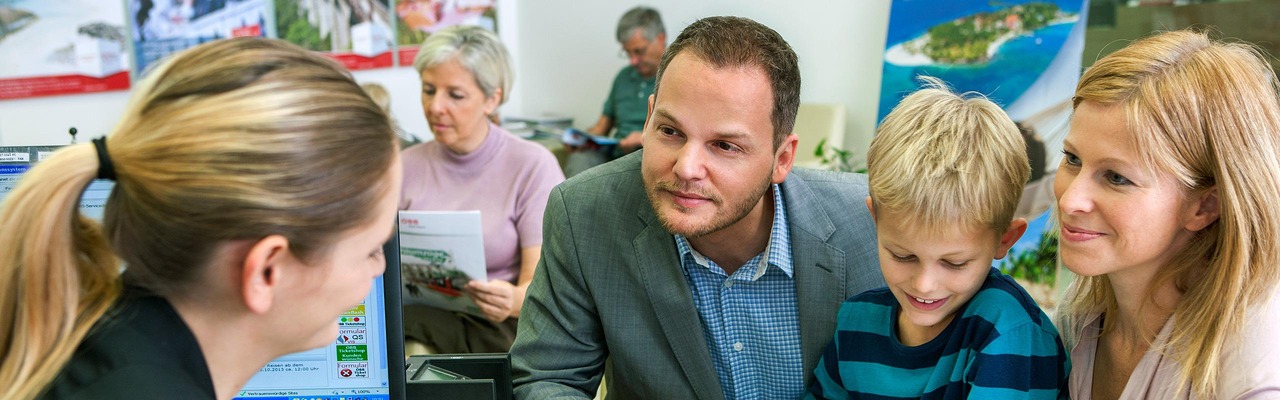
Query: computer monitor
[(16, 160), (470, 376), (366, 360)]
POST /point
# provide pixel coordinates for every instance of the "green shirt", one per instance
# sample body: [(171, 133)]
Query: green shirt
[(628, 101)]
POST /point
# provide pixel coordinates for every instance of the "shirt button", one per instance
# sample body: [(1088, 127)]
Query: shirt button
[(728, 284), (737, 346)]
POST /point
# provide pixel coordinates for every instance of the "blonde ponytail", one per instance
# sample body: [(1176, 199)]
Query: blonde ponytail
[(57, 272), (231, 140)]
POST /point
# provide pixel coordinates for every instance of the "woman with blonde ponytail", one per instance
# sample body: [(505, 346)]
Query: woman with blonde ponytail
[(255, 186), (1169, 206)]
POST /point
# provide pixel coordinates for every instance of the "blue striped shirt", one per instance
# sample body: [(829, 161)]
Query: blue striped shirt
[(750, 319), (1001, 346)]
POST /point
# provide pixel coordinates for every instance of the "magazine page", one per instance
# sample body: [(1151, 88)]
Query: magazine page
[(440, 251), (577, 137)]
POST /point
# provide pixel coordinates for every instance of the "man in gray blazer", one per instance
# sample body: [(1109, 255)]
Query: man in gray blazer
[(700, 267)]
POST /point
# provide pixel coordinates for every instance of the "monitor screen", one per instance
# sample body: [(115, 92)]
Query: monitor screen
[(16, 160), (365, 361)]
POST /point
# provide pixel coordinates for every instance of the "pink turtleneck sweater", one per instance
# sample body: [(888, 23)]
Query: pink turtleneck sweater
[(507, 178)]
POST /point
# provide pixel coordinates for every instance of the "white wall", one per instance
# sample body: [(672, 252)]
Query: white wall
[(565, 57), (44, 120), (570, 53)]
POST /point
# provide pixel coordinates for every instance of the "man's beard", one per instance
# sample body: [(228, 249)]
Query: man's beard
[(735, 211)]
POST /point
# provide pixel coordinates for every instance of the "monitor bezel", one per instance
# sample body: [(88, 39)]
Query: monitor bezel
[(392, 315)]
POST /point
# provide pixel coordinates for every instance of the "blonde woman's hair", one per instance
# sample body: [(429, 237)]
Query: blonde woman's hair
[(1207, 113), (232, 140), (940, 158)]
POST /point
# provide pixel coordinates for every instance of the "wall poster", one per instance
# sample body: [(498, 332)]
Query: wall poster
[(61, 47), (357, 33), (163, 27), (419, 18), (1024, 55)]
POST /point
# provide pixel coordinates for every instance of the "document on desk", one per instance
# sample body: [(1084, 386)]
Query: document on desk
[(440, 251)]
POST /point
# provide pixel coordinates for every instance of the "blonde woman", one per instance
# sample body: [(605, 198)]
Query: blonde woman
[(1167, 199), (255, 186)]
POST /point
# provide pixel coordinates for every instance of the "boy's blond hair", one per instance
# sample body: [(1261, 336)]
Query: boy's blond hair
[(939, 159)]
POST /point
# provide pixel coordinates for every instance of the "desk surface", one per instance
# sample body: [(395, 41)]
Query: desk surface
[(553, 143)]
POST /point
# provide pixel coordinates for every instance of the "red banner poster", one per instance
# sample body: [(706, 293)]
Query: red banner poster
[(61, 47), (357, 33)]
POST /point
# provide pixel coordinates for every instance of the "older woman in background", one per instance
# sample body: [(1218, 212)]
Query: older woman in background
[(475, 165), (1167, 199)]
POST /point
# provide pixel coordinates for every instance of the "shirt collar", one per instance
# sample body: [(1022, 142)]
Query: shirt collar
[(777, 252), (634, 75)]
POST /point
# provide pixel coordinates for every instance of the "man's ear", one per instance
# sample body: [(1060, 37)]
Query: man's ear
[(1205, 211), (785, 158), (648, 116), (261, 272), (871, 209), (1016, 228)]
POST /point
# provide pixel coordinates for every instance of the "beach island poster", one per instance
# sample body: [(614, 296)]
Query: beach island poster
[(357, 33), (61, 47), (1025, 55)]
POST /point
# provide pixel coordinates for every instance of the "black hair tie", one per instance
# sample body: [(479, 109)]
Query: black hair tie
[(105, 169)]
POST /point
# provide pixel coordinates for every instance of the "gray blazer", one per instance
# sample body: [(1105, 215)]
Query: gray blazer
[(609, 294)]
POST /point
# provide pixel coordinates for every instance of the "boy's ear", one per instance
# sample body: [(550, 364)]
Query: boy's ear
[(871, 209), (262, 272), (1016, 228)]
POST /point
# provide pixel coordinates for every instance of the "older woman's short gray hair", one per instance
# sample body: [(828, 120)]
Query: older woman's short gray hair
[(476, 49)]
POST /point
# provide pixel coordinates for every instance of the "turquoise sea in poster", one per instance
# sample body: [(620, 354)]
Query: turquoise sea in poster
[(1010, 70)]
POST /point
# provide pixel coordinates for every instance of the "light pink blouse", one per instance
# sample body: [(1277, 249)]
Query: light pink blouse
[(1250, 365)]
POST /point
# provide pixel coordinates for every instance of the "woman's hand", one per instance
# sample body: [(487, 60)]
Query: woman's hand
[(494, 297)]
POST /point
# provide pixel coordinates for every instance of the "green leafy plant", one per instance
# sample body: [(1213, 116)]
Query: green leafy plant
[(1037, 265), (837, 159), (408, 36), (293, 27)]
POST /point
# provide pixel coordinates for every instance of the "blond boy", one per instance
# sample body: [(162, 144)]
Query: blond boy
[(945, 173)]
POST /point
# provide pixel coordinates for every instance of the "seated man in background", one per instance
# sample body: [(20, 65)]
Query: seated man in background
[(643, 39), (703, 266)]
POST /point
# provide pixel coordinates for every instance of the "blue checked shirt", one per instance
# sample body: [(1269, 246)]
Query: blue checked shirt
[(750, 319)]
